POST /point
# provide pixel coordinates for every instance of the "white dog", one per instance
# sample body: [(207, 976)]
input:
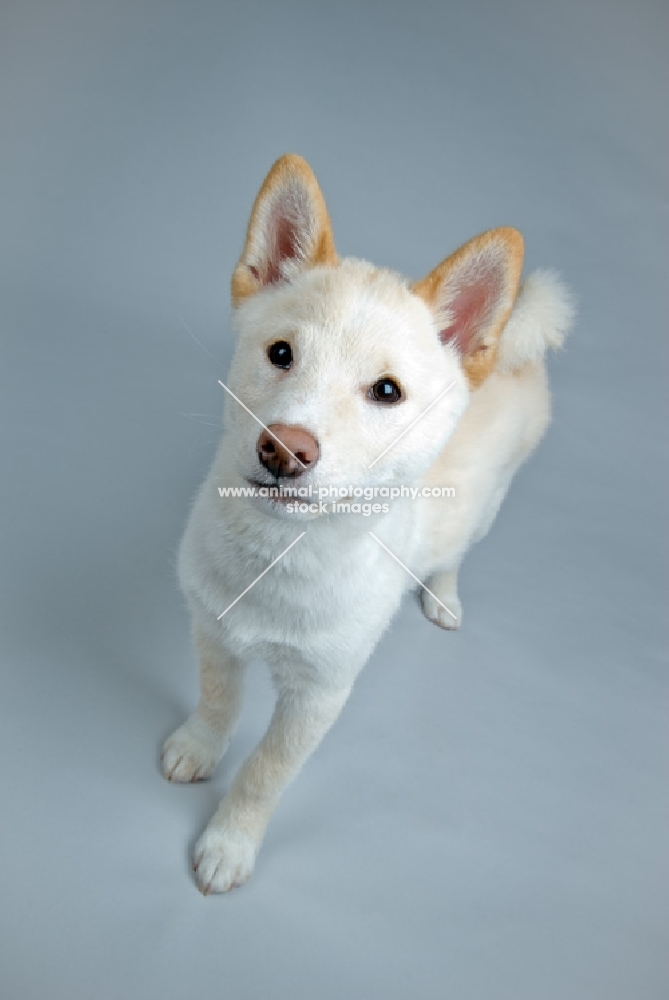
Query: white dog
[(345, 378)]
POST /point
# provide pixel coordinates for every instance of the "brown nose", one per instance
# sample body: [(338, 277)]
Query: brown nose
[(287, 451)]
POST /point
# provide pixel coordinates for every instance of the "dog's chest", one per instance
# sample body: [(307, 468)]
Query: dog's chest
[(325, 601)]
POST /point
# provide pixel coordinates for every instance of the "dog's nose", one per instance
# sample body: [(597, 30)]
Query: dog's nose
[(287, 451)]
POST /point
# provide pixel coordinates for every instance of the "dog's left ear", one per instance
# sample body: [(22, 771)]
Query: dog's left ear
[(471, 295), (289, 229)]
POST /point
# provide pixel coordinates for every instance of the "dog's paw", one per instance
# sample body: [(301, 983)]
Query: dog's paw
[(223, 859), (445, 612), (192, 752)]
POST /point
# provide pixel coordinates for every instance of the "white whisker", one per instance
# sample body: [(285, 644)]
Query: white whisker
[(196, 418), (198, 341)]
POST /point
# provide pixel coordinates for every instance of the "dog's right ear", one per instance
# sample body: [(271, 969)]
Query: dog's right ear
[(289, 229)]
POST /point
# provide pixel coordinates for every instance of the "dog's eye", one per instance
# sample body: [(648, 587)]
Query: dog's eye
[(280, 354), (386, 391)]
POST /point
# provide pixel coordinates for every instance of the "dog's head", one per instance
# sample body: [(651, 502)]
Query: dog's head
[(357, 376)]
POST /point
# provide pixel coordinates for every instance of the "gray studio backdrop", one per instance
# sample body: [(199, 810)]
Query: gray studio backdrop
[(488, 818)]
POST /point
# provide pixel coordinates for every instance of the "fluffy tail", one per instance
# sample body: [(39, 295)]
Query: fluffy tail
[(541, 318)]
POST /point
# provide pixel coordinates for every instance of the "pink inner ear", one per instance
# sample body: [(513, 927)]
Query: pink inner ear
[(284, 245), (471, 308), (286, 229)]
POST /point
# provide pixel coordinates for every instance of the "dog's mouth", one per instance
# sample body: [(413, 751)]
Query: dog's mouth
[(278, 492), (292, 492)]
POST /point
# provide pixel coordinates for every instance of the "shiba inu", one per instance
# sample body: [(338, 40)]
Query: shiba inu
[(346, 378)]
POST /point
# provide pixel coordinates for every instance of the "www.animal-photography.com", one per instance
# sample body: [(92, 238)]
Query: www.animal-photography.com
[(334, 633)]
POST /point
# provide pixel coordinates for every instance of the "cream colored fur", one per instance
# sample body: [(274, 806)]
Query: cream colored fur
[(316, 616)]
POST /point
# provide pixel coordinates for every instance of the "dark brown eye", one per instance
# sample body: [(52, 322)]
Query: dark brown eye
[(280, 354), (386, 391)]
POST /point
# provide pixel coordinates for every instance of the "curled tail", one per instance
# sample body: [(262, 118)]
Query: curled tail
[(542, 317)]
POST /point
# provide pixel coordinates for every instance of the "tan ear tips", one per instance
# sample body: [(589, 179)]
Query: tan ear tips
[(290, 165), (293, 161), (514, 245), (509, 234)]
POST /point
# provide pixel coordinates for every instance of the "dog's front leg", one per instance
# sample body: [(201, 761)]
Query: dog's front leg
[(193, 751), (225, 853)]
